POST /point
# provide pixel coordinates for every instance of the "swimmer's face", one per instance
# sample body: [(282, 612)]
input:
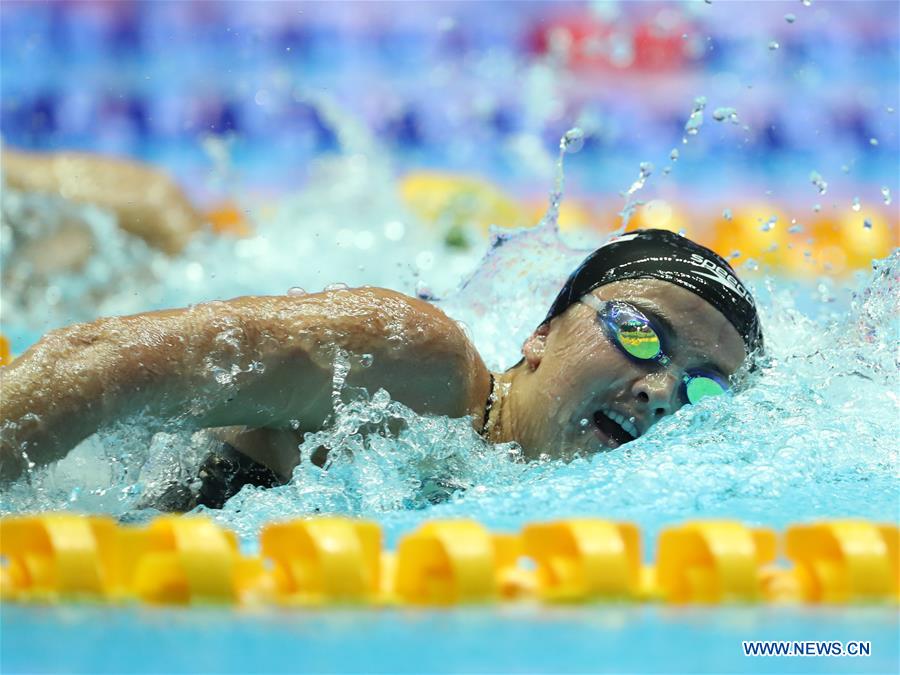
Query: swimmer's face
[(579, 393)]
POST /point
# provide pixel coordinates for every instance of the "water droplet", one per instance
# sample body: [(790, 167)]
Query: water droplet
[(873, 142), (889, 109), (886, 194), (769, 224), (773, 45), (695, 121), (845, 168), (424, 292), (855, 206), (751, 264), (734, 254), (366, 360), (674, 154), (790, 18), (394, 230), (816, 179), (817, 207), (337, 286), (726, 214), (797, 228), (722, 114), (646, 168), (583, 422), (867, 224), (572, 140), (806, 3), (296, 291)]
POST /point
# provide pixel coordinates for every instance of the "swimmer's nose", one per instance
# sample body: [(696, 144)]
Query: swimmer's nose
[(657, 393)]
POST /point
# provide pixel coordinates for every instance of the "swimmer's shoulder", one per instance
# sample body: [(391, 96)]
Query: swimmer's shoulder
[(437, 346)]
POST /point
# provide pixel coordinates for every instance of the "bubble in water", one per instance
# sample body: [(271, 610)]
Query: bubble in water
[(695, 121), (366, 360), (855, 205), (674, 154), (867, 224), (722, 114), (773, 45), (726, 214), (424, 292), (816, 179), (886, 194), (572, 140), (296, 291), (337, 286), (790, 18), (873, 142)]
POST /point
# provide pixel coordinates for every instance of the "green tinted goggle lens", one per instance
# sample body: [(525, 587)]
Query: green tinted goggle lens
[(699, 387), (638, 339)]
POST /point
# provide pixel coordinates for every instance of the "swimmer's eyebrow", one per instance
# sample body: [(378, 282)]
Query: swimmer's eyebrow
[(670, 333)]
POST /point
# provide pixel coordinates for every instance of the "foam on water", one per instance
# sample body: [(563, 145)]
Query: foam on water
[(813, 433)]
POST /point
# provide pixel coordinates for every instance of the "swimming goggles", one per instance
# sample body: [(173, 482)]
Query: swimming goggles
[(633, 334)]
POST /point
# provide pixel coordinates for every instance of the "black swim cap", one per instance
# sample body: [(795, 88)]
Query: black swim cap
[(661, 254)]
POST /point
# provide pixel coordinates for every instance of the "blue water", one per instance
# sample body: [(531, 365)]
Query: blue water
[(473, 640)]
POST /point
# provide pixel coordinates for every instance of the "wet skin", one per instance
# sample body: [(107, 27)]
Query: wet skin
[(81, 378), (573, 371)]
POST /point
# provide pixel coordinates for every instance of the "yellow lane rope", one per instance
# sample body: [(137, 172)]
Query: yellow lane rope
[(324, 561)]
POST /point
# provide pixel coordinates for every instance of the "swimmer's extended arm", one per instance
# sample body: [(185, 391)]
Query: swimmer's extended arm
[(146, 201), (264, 362)]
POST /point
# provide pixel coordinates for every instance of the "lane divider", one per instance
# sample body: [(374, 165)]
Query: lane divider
[(183, 560)]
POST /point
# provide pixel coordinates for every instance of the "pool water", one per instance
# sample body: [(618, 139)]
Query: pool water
[(810, 436), (515, 639)]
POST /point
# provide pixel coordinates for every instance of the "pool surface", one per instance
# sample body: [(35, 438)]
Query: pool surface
[(599, 638)]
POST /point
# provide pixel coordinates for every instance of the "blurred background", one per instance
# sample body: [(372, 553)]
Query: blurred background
[(767, 130)]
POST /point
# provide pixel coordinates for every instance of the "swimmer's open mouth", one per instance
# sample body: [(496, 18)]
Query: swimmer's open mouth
[(614, 427)]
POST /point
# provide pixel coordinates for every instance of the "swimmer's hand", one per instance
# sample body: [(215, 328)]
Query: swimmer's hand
[(146, 201), (258, 362)]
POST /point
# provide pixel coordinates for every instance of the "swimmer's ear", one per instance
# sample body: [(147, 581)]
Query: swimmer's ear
[(533, 349)]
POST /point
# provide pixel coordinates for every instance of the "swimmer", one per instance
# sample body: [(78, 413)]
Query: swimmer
[(145, 201), (649, 322)]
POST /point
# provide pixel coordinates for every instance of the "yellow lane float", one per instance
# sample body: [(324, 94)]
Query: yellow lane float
[(178, 560)]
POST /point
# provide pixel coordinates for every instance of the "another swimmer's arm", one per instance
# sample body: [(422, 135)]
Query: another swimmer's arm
[(145, 200), (258, 362)]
